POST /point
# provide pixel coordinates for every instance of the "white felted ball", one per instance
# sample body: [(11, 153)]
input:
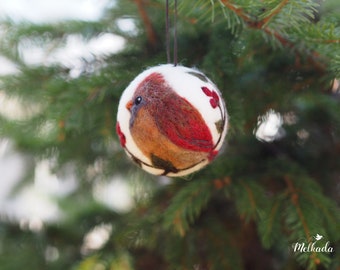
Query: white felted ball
[(171, 120)]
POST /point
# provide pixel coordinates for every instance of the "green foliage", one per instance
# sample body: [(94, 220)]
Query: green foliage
[(244, 211), (186, 205)]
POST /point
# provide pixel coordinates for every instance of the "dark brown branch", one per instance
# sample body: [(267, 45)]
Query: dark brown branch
[(252, 22), (239, 11), (275, 12), (152, 38), (294, 196)]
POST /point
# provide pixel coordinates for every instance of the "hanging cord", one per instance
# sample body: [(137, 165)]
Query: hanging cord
[(175, 34), (167, 32)]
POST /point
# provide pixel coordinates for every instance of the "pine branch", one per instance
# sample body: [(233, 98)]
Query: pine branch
[(294, 196), (269, 223), (250, 194), (151, 34), (238, 11), (187, 205), (249, 197), (254, 23), (273, 13)]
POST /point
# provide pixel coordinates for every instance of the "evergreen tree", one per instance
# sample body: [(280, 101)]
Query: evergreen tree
[(254, 206)]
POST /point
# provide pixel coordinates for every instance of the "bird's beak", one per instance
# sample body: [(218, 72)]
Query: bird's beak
[(129, 105)]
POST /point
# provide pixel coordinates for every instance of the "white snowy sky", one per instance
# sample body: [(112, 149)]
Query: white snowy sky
[(35, 204), (43, 11), (76, 48)]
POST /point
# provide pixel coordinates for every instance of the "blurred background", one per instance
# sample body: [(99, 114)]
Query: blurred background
[(71, 199), (71, 54)]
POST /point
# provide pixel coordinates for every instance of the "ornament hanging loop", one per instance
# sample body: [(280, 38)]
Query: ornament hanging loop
[(167, 32)]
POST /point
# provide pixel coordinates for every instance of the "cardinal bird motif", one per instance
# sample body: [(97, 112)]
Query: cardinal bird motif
[(167, 128), (171, 120)]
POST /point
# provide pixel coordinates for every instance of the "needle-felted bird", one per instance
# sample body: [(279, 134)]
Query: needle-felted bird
[(167, 128), (166, 133)]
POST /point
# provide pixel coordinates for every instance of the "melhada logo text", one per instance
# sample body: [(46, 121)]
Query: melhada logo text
[(313, 246)]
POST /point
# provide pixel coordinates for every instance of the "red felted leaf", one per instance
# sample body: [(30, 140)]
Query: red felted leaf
[(213, 103), (121, 135), (206, 91), (215, 96)]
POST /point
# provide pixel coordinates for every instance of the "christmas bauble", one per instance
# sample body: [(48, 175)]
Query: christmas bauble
[(171, 120)]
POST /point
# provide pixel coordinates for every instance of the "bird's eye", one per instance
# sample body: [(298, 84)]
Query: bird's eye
[(138, 100)]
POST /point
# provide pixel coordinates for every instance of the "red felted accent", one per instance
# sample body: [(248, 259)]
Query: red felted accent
[(213, 103), (215, 100), (215, 96), (175, 117), (121, 136), (206, 91), (153, 80)]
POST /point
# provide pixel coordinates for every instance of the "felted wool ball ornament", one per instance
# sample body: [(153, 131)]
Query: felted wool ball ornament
[(171, 120)]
